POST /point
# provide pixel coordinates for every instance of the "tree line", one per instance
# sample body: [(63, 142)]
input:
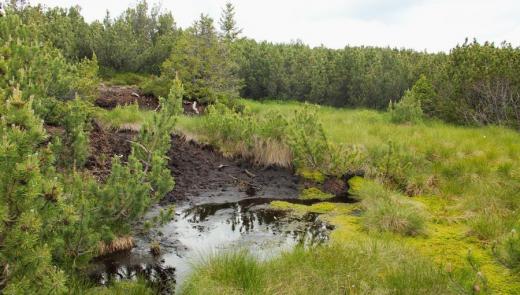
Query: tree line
[(474, 83)]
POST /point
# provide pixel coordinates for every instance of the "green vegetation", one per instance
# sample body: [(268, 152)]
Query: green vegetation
[(439, 204), (124, 117), (315, 194), (360, 267), (412, 190), (474, 84), (387, 211)]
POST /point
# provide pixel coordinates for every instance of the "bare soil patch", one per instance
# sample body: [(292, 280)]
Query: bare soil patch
[(105, 144), (202, 174), (112, 96)]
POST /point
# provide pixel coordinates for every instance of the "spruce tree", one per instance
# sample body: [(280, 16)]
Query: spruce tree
[(227, 22)]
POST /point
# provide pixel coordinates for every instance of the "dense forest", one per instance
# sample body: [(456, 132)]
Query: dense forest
[(57, 215), (472, 84)]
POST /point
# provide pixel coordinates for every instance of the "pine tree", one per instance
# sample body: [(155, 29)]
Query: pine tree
[(227, 22), (25, 257), (202, 62)]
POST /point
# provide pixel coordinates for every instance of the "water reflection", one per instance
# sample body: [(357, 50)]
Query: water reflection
[(249, 224)]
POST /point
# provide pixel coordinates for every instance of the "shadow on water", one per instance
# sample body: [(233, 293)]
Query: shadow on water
[(204, 229)]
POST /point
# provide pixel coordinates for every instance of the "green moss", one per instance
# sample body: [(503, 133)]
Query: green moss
[(356, 183), (323, 207), (312, 175), (315, 194)]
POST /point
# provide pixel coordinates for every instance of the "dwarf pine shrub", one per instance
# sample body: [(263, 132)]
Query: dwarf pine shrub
[(26, 204), (407, 110)]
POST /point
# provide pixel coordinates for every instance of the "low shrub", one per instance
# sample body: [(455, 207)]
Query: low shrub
[(125, 78), (156, 86), (407, 110)]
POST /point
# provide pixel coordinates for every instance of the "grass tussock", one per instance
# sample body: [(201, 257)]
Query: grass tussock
[(227, 273), (362, 267), (388, 211), (116, 245)]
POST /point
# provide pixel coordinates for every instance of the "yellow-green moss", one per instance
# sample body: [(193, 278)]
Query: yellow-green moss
[(356, 183), (312, 175), (315, 194), (449, 245), (323, 207)]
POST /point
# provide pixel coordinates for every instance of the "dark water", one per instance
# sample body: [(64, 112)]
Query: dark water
[(202, 230)]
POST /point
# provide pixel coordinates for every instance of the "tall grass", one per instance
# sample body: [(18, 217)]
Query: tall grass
[(388, 211), (227, 273), (361, 267)]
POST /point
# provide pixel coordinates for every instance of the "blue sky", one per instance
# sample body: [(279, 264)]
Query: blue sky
[(433, 25)]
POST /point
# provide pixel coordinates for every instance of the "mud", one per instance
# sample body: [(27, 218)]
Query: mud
[(112, 96), (202, 174), (190, 110), (103, 146)]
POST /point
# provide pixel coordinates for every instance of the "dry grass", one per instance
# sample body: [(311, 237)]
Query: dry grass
[(118, 244), (265, 152), (134, 127)]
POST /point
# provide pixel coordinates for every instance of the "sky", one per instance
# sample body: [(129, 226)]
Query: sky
[(432, 25)]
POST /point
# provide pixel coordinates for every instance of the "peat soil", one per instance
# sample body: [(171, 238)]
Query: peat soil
[(104, 144), (202, 175), (222, 204), (112, 96)]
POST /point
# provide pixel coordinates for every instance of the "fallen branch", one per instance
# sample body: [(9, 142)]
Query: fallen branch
[(249, 173)]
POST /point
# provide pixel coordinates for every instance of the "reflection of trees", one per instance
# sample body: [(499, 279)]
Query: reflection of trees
[(245, 218), (160, 277)]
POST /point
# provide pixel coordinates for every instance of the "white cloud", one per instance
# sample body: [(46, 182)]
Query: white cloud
[(419, 24)]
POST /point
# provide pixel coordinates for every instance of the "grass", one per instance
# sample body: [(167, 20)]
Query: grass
[(360, 267), (227, 273), (448, 194), (123, 117), (386, 210)]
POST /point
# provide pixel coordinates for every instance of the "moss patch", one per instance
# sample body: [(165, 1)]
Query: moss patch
[(312, 175), (315, 194)]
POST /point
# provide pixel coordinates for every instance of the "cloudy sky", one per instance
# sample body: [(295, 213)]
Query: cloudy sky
[(433, 25)]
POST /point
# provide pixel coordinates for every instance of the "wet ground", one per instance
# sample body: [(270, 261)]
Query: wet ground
[(221, 204), (200, 231)]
